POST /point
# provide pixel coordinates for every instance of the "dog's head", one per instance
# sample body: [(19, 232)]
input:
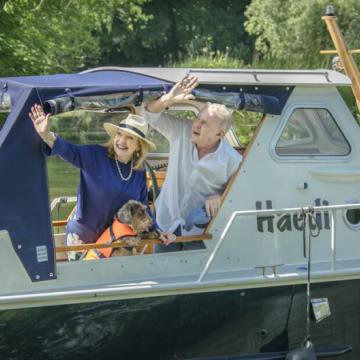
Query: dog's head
[(134, 214)]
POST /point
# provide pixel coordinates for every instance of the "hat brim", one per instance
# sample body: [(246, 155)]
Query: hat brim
[(112, 129)]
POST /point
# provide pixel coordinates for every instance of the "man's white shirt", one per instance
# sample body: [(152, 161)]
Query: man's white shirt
[(189, 181)]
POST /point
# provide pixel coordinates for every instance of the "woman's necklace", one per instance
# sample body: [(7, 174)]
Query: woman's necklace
[(121, 175)]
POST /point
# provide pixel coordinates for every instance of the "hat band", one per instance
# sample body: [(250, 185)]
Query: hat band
[(133, 128)]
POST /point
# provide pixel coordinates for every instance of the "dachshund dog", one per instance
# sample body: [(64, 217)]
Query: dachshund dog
[(135, 215)]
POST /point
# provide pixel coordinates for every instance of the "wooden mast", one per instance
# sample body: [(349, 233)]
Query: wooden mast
[(350, 67)]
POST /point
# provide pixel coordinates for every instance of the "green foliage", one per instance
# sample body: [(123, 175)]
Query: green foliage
[(348, 97), (293, 33), (245, 124), (211, 60), (51, 36), (166, 31), (3, 117), (43, 36)]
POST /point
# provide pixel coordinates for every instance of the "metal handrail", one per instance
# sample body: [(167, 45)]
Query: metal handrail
[(329, 208), (61, 200)]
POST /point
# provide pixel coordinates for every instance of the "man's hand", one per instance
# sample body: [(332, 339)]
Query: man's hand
[(212, 205), (179, 92), (166, 237), (182, 90)]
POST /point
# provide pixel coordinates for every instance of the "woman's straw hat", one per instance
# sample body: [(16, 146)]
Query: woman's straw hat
[(134, 125)]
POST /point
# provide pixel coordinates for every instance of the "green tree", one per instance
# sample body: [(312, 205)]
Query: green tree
[(39, 36), (292, 33), (166, 31), (44, 36)]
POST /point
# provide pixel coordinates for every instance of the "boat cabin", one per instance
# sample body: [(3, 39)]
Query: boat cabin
[(303, 153)]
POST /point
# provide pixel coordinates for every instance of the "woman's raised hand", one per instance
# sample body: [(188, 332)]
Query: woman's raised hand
[(42, 124), (39, 119)]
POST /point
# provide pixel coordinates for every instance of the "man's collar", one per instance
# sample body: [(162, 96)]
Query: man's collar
[(219, 146)]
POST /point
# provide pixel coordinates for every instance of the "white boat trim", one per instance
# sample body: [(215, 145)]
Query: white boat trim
[(154, 289)]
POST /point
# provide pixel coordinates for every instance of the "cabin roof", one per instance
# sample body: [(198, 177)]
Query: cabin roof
[(109, 80), (242, 76), (153, 77)]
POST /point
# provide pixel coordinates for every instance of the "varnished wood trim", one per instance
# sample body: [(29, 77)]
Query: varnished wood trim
[(59, 222), (118, 244)]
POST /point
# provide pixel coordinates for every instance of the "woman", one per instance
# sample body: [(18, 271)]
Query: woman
[(109, 176)]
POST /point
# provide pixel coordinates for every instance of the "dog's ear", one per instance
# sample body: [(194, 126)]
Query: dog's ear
[(124, 215), (128, 211), (132, 206)]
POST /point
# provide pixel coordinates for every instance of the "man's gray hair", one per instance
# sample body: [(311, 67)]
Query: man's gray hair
[(224, 114)]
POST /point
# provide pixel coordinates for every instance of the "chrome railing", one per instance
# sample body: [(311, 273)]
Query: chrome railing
[(328, 208), (61, 200)]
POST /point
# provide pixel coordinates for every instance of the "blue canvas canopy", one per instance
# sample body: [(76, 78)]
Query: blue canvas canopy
[(24, 205)]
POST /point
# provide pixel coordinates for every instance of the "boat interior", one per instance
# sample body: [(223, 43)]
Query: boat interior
[(63, 206)]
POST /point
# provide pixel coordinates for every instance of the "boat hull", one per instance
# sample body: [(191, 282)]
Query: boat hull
[(183, 326)]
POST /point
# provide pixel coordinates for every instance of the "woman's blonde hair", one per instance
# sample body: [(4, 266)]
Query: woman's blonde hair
[(139, 156)]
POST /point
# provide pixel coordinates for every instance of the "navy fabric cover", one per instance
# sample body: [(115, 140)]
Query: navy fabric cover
[(119, 80), (24, 199)]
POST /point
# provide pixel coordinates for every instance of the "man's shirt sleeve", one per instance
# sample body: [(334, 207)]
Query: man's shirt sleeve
[(166, 125)]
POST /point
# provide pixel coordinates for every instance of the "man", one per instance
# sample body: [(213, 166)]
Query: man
[(201, 161)]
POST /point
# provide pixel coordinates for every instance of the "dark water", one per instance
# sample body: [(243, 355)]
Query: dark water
[(92, 331), (153, 328), (182, 327)]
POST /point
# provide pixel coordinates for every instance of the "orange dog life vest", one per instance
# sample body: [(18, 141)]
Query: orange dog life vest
[(115, 231)]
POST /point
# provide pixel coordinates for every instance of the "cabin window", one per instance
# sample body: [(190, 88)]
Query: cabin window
[(312, 132), (352, 217)]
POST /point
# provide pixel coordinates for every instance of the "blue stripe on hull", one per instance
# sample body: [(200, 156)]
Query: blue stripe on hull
[(183, 326)]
